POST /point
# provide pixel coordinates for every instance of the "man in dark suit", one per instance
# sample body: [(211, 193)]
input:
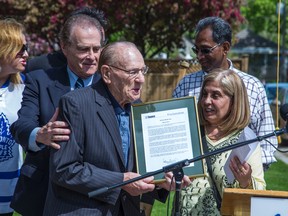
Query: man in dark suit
[(36, 129), (100, 151)]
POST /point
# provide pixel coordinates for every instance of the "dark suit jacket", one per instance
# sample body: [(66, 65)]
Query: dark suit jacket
[(91, 159), (46, 61), (41, 96)]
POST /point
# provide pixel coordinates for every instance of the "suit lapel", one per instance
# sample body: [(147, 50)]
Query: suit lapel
[(107, 114), (131, 156), (59, 86)]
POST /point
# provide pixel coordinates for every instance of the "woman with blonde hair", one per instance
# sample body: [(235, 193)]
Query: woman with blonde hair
[(13, 57), (224, 114)]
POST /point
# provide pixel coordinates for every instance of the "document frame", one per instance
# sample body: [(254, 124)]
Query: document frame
[(168, 130)]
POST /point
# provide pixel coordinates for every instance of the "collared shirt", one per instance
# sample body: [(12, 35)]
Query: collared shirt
[(123, 117), (261, 122), (73, 78)]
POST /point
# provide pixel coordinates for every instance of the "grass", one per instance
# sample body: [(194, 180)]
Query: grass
[(275, 177), (160, 209)]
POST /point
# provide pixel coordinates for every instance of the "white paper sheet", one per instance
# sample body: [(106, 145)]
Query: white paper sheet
[(166, 136), (243, 153)]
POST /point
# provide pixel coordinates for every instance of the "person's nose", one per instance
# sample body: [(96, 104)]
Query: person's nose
[(207, 100), (25, 54), (200, 55), (91, 54), (140, 77)]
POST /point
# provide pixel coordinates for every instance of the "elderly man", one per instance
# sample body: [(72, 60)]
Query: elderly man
[(81, 41), (100, 151)]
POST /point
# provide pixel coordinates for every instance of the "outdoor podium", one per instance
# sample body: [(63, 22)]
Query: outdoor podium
[(237, 202)]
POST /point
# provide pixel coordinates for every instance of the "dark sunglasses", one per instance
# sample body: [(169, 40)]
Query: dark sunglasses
[(204, 51), (23, 49)]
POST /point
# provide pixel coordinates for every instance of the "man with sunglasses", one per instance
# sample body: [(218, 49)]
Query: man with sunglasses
[(36, 129), (212, 44)]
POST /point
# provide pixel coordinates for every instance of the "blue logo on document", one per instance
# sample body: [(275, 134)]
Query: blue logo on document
[(6, 139)]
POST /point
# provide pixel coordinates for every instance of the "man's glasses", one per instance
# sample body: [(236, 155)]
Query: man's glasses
[(204, 51), (133, 72), (23, 49)]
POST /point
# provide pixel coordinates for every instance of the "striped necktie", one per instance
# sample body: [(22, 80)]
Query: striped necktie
[(79, 83)]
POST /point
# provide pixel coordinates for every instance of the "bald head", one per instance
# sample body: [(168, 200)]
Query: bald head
[(116, 53), (122, 68)]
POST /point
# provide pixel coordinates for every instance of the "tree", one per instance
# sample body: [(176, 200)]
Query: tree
[(158, 25), (262, 17), (153, 25)]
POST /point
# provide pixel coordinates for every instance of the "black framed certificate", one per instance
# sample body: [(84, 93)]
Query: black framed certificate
[(166, 132)]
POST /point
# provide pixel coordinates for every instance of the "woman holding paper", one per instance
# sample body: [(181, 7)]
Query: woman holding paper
[(224, 115)]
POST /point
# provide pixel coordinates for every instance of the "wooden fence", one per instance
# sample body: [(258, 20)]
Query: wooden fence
[(164, 75)]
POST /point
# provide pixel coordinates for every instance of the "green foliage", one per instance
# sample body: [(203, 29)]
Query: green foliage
[(154, 25), (262, 17)]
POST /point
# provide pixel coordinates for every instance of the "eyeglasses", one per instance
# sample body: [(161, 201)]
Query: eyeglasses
[(23, 49), (133, 72), (204, 51)]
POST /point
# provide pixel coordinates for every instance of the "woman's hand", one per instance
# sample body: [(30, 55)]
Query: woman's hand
[(242, 172)]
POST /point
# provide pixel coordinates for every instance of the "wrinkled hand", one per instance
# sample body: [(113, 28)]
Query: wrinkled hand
[(138, 187), (169, 178), (242, 172), (54, 131)]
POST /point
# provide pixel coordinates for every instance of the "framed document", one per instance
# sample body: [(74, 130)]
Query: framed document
[(166, 132)]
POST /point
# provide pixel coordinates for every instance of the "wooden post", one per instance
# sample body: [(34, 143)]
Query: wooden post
[(244, 63), (184, 65)]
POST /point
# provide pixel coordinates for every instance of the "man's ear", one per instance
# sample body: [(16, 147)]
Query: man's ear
[(105, 72), (226, 47), (63, 48)]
